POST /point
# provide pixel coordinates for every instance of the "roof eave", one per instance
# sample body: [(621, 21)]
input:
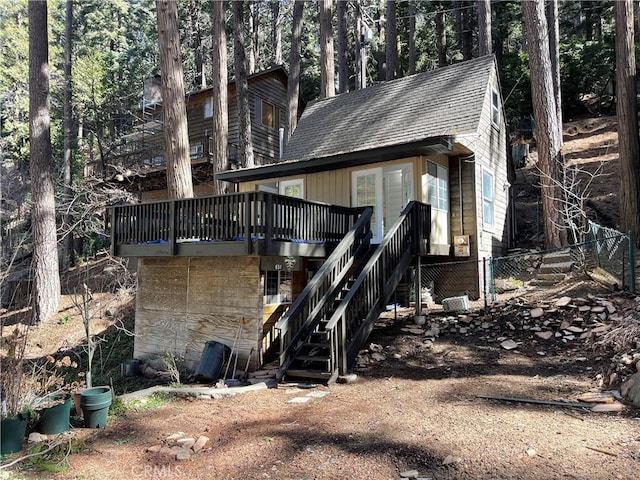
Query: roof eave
[(431, 146)]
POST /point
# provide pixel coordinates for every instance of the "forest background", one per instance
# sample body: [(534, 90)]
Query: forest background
[(112, 47)]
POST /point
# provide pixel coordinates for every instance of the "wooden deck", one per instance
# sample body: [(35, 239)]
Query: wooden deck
[(254, 223)]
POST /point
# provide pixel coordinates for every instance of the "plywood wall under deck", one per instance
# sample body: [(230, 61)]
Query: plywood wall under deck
[(184, 302)]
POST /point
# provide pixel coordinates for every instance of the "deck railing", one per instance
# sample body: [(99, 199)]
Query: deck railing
[(238, 217), (349, 323), (312, 304)]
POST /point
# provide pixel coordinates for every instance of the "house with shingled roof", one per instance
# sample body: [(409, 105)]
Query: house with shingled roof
[(437, 137), (299, 262)]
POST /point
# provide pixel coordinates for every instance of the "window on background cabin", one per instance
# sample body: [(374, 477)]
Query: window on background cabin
[(488, 199), (495, 108), (267, 114), (208, 108), (277, 286), (437, 186)]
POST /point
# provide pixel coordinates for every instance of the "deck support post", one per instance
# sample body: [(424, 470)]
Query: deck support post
[(418, 286)]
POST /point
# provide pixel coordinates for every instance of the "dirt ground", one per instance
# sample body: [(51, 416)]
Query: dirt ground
[(417, 412)]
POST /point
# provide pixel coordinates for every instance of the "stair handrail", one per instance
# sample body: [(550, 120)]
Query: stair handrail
[(408, 231), (304, 313)]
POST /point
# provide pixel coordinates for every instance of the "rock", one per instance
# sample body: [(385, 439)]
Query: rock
[(397, 356), (186, 442), (349, 378), (410, 474), (574, 329), (630, 389), (596, 397), (416, 331), (166, 451), (154, 448), (183, 454), (174, 436), (36, 437), (563, 301), (374, 347), (531, 452), (200, 443), (536, 312), (451, 459), (608, 407), (378, 357), (544, 335), (299, 400), (509, 344), (584, 308)]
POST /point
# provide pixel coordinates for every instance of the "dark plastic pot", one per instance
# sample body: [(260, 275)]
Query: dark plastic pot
[(12, 433), (55, 419), (95, 406), (130, 368), (212, 360)]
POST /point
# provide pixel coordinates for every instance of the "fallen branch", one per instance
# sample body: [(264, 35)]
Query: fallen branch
[(605, 279), (538, 402), (600, 450), (20, 459)]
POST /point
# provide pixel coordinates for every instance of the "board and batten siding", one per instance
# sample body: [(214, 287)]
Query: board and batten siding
[(182, 303)]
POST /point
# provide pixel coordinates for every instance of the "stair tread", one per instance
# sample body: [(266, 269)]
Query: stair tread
[(313, 358)]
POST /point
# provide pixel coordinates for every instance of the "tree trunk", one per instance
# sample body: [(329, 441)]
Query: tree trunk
[(484, 27), (391, 41), (360, 53), (174, 110), (498, 35), (195, 17), (627, 111), (467, 32), (277, 17), (220, 105), (68, 256), (585, 5), (293, 85), (441, 36), (343, 65), (254, 35), (554, 53), (44, 263), (245, 145), (412, 37), (549, 160), (327, 74)]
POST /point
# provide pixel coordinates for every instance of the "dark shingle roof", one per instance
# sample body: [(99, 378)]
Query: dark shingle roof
[(442, 102)]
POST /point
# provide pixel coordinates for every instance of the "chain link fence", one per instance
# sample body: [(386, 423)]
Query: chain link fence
[(605, 255)]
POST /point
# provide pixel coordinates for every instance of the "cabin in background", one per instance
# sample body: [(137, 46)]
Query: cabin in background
[(137, 162)]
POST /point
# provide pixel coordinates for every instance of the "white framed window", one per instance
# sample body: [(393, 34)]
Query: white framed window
[(488, 199), (435, 184), (495, 108), (208, 108), (292, 188), (277, 286)]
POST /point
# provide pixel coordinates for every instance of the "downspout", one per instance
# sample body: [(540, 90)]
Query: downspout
[(460, 195), (281, 142)]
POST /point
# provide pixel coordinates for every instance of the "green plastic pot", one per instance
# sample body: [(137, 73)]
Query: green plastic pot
[(55, 419), (95, 404), (12, 433)]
